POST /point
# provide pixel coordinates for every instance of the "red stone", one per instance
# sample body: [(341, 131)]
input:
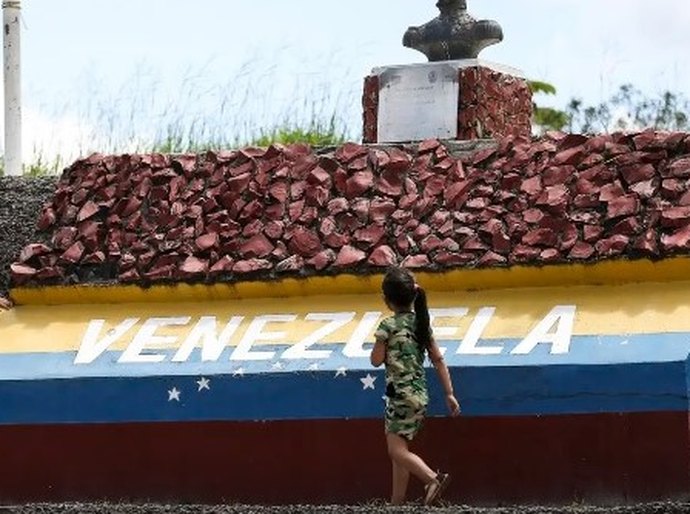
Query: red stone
[(581, 251), (336, 240), (206, 242), (680, 168), (390, 183), (523, 253), (592, 233), (251, 266), (428, 145), (320, 177), (628, 227), (21, 273), (679, 240), (349, 256), (193, 267), (434, 186), (292, 263), (274, 229), (361, 209), (623, 206), (532, 215), (647, 188), (455, 195), (380, 210), (370, 236), (647, 243), (97, 257), (558, 175), (540, 237), (297, 189), (74, 253), (532, 186), (34, 250), (337, 205), (132, 206), (359, 183), (611, 192), (257, 246), (305, 242), (675, 217), (614, 245), (453, 258), (383, 256), (350, 151), (491, 259), (89, 210), (416, 262), (637, 173), (570, 156), (48, 219), (430, 243), (550, 255), (322, 259), (555, 197), (279, 191), (295, 210)]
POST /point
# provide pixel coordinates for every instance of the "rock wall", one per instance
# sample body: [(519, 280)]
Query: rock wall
[(266, 213)]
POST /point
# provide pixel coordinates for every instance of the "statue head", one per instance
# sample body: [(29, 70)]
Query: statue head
[(448, 7)]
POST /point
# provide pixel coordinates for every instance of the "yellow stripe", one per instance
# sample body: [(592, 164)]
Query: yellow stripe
[(611, 309), (605, 272)]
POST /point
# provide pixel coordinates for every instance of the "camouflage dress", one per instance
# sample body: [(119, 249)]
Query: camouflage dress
[(406, 390)]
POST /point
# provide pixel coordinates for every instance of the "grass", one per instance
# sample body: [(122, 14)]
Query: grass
[(252, 106)]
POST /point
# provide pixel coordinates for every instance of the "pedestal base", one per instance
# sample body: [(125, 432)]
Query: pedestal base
[(465, 100)]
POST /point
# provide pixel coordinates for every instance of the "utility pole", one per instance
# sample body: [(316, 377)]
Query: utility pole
[(11, 11)]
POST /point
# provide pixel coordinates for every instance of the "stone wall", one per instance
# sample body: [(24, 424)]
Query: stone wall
[(288, 211)]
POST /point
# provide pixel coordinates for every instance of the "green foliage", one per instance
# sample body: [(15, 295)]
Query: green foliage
[(628, 109), (547, 118)]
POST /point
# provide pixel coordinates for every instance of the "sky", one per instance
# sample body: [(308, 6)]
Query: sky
[(104, 74)]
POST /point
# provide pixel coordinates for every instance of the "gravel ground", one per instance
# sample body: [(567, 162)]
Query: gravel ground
[(109, 508), (21, 200)]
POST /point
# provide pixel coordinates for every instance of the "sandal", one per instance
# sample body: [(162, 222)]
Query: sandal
[(436, 488)]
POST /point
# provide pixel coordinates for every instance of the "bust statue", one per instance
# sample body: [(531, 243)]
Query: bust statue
[(454, 34)]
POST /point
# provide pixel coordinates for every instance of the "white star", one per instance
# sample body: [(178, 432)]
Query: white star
[(277, 365), (314, 367), (174, 394), (239, 372), (368, 382), (342, 372), (203, 383)]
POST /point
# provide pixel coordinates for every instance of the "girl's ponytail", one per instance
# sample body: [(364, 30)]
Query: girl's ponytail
[(422, 319)]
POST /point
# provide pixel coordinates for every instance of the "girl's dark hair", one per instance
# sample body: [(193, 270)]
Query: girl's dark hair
[(400, 290)]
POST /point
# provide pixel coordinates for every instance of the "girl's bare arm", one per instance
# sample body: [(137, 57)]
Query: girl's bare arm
[(444, 377), (378, 354)]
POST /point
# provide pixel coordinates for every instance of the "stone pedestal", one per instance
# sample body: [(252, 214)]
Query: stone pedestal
[(467, 99)]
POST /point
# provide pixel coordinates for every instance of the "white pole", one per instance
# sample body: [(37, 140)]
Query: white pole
[(13, 86)]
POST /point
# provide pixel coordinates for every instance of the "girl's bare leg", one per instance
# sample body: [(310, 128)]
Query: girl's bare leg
[(401, 477), (400, 453)]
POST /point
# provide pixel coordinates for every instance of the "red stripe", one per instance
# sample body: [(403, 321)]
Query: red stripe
[(492, 460)]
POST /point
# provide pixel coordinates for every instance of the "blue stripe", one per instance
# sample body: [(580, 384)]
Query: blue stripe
[(487, 391)]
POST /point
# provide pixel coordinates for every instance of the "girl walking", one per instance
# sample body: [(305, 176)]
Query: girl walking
[(403, 340)]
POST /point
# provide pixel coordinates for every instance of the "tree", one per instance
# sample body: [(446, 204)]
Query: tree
[(628, 109)]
